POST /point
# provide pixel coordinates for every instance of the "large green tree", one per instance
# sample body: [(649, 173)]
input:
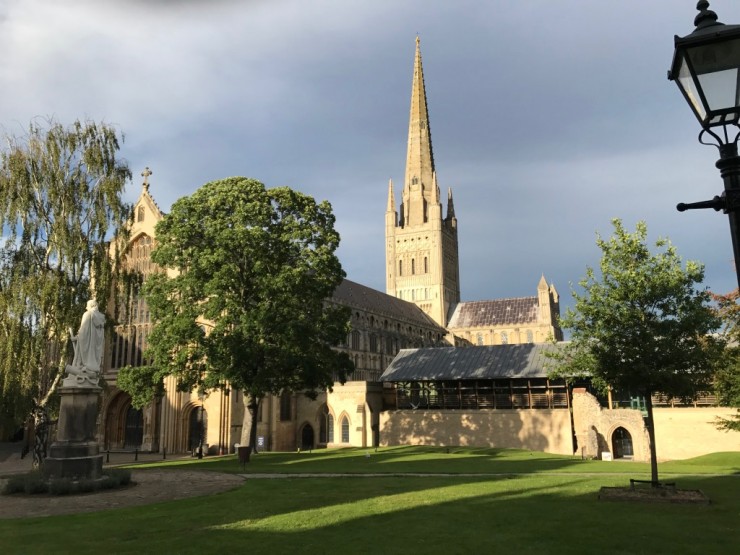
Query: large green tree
[(643, 324), (727, 377), (60, 198), (244, 303)]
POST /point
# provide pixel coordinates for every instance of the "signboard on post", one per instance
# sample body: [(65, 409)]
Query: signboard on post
[(261, 442)]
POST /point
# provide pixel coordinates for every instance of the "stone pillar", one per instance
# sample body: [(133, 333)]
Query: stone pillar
[(76, 453), (586, 419)]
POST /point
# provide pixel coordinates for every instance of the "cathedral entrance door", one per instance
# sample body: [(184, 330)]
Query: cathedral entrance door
[(307, 437)]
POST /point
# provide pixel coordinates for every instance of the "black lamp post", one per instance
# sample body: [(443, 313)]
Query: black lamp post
[(706, 68), (201, 398)]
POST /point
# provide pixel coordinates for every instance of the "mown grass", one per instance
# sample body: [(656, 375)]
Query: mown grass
[(441, 460), (550, 508)]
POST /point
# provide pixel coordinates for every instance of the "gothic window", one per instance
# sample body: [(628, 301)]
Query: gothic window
[(413, 267), (426, 267), (286, 401), (504, 338), (479, 339), (356, 340), (400, 267), (140, 215), (373, 343), (345, 429), (326, 426)]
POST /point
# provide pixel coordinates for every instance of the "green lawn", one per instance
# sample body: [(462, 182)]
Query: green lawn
[(551, 508)]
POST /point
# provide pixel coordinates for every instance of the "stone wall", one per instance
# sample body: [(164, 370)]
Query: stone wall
[(680, 432), (686, 432), (547, 430)]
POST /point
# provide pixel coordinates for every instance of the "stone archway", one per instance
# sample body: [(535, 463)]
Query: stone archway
[(307, 437), (197, 428), (134, 430), (115, 415), (621, 441)]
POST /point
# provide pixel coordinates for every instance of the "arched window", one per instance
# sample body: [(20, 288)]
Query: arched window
[(355, 340), (286, 402), (413, 267), (140, 214), (426, 267), (345, 429), (400, 267), (326, 426)]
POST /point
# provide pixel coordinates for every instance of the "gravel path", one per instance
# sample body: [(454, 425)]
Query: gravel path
[(152, 486)]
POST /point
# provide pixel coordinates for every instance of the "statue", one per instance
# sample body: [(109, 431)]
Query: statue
[(88, 349)]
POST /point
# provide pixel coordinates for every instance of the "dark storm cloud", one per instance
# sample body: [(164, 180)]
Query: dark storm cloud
[(548, 119)]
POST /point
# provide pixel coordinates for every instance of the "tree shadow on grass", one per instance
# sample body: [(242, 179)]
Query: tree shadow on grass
[(544, 514)]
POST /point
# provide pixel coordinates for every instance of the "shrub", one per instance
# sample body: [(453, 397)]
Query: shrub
[(15, 484), (122, 475), (61, 486), (35, 483)]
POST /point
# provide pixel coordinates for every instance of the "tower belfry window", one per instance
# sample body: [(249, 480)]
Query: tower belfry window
[(413, 267), (400, 267)]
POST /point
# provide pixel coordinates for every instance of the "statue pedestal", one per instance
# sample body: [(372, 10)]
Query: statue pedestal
[(76, 454)]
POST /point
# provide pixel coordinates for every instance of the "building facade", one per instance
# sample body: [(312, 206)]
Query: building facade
[(420, 311)]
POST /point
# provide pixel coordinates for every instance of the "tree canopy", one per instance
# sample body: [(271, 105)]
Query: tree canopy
[(244, 302), (60, 198), (643, 325), (727, 377)]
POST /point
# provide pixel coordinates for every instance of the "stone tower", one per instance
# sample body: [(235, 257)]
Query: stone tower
[(421, 246)]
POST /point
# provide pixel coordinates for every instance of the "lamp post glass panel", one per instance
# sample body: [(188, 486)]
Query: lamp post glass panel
[(706, 68)]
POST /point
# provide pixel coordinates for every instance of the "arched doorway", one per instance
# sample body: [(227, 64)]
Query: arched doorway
[(198, 428), (622, 444), (134, 431), (307, 437)]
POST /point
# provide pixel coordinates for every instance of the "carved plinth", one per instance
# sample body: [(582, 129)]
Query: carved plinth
[(76, 454)]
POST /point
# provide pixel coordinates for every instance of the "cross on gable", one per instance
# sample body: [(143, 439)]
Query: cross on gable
[(145, 174)]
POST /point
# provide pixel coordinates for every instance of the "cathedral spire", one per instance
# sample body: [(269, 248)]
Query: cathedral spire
[(391, 197), (419, 157)]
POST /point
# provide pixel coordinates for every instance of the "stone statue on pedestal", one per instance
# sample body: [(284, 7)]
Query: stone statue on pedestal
[(76, 454), (88, 349)]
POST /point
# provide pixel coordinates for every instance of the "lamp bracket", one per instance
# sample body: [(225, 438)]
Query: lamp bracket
[(728, 201), (719, 142)]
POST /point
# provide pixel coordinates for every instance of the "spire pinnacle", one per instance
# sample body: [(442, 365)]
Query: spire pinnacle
[(419, 159), (391, 197), (450, 204)]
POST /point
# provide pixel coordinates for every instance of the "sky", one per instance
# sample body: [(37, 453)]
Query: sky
[(548, 119)]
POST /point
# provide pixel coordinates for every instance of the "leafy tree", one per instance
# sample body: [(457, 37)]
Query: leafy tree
[(727, 378), (244, 303), (643, 325), (60, 196)]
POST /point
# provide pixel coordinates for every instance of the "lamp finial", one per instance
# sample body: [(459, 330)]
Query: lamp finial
[(706, 17)]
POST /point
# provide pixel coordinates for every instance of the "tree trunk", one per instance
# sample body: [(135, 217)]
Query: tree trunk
[(649, 423), (41, 436), (252, 406)]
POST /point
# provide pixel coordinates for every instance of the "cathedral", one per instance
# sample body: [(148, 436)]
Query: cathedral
[(421, 308), (429, 367)]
